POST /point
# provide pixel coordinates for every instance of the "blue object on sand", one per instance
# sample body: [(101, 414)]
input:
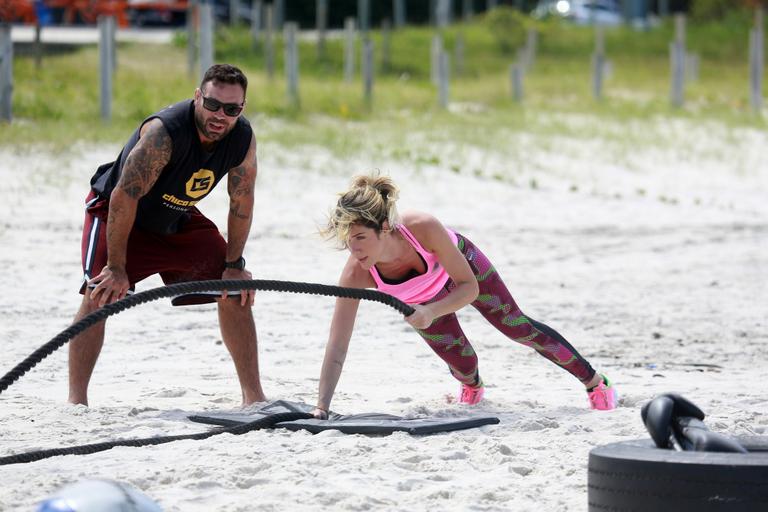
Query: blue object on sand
[(98, 496)]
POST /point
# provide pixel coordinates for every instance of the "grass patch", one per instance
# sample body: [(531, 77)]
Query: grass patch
[(59, 103)]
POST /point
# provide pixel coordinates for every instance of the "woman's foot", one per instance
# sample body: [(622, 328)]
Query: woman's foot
[(471, 395), (603, 397)]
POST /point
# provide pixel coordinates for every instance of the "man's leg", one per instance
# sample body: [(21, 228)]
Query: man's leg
[(238, 331), (84, 350)]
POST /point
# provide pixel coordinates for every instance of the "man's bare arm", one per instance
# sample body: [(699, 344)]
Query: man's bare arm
[(142, 167), (240, 186)]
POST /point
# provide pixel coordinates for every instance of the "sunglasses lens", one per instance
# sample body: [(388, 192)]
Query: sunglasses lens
[(230, 109), (211, 104)]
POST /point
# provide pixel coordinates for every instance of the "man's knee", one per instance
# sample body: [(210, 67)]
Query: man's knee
[(232, 304), (88, 305)]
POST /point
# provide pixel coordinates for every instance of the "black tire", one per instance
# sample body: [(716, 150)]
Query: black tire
[(638, 476)]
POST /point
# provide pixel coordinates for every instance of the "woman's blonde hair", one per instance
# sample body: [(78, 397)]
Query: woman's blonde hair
[(370, 201)]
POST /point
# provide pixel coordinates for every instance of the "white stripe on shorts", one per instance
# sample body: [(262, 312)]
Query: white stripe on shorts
[(92, 241)]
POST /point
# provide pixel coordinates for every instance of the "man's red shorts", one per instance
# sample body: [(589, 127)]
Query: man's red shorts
[(195, 253)]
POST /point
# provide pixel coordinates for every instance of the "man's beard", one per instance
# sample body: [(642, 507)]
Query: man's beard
[(202, 128)]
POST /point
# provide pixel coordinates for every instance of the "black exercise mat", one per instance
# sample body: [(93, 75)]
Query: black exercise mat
[(368, 423)]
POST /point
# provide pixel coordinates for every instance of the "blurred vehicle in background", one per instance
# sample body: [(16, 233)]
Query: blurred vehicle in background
[(21, 11), (582, 12), (86, 12), (147, 13), (74, 12)]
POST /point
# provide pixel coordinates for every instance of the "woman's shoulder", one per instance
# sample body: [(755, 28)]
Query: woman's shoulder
[(418, 220), (420, 223), (354, 276), (423, 226)]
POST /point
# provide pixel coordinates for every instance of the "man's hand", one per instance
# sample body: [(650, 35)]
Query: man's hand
[(247, 297), (421, 318), (109, 286)]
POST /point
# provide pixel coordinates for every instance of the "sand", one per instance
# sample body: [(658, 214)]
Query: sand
[(652, 261)]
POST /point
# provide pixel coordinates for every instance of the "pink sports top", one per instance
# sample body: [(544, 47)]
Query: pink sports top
[(422, 287)]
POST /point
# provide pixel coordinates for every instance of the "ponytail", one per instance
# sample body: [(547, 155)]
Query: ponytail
[(370, 201)]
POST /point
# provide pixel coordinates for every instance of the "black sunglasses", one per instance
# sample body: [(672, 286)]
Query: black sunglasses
[(231, 109)]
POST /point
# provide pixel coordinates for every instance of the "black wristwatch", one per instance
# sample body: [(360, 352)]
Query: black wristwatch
[(238, 264)]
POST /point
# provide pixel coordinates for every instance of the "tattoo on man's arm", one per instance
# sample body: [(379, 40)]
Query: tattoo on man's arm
[(235, 210), (239, 184), (145, 163), (114, 213)]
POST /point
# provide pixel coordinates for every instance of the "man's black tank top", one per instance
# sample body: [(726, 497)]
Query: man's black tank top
[(190, 175)]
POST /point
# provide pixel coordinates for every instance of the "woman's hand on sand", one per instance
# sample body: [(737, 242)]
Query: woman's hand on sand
[(421, 318), (320, 414)]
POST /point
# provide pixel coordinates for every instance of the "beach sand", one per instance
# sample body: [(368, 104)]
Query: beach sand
[(652, 262)]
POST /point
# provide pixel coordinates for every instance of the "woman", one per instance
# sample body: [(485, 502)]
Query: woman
[(437, 271)]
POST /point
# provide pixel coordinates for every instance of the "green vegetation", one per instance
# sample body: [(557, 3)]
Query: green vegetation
[(59, 103)]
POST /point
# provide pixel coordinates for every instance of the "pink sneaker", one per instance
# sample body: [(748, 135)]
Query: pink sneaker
[(471, 395), (603, 397)]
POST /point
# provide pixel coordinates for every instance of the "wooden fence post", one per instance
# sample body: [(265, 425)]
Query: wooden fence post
[(436, 50), (598, 63), (663, 8), (279, 14), (257, 8), (443, 78), (321, 24), (106, 64), (368, 71), (467, 10), (692, 67), (38, 46), (516, 74), (6, 73), (677, 61), (364, 16), (442, 13), (234, 12), (206, 37), (458, 54), (349, 49), (386, 44), (192, 22), (290, 30), (432, 13), (398, 13), (269, 45), (756, 62), (531, 45)]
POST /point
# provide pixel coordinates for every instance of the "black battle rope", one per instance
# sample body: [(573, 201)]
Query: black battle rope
[(193, 287), (266, 422)]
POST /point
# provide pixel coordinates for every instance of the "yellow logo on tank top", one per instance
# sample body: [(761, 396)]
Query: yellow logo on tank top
[(200, 183)]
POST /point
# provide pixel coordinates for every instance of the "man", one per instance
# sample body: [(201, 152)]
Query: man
[(141, 219)]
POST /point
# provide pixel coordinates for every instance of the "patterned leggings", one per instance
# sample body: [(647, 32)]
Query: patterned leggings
[(496, 304)]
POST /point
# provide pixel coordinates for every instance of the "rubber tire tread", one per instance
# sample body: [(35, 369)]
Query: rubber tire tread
[(635, 475)]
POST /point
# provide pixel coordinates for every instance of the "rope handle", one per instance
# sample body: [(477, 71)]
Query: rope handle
[(261, 423), (231, 285)]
